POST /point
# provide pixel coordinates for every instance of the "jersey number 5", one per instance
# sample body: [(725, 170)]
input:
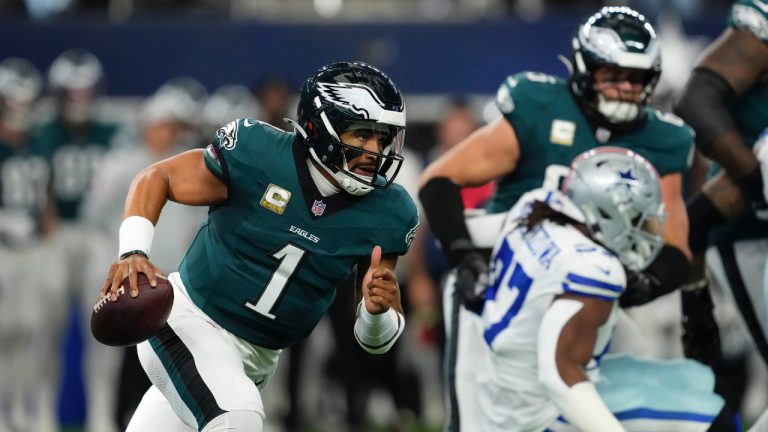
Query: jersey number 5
[(289, 257)]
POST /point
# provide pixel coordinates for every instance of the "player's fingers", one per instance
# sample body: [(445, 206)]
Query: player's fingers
[(151, 273), (384, 273), (133, 282), (117, 279), (375, 257)]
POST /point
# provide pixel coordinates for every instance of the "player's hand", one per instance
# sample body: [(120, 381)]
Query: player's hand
[(701, 335), (379, 285), (131, 266), (472, 281)]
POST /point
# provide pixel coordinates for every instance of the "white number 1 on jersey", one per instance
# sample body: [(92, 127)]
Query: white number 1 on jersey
[(290, 257)]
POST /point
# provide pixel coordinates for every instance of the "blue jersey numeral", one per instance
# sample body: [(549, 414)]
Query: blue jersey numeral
[(508, 274)]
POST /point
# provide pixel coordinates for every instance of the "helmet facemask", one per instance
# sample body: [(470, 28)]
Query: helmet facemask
[(352, 119), (620, 40)]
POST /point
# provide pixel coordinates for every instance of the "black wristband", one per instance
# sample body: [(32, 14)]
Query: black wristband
[(134, 252), (662, 276), (702, 217), (444, 209), (751, 184)]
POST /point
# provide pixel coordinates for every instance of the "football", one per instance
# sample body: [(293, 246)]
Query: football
[(129, 321)]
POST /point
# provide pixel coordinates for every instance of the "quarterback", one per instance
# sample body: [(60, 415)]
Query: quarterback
[(291, 216)]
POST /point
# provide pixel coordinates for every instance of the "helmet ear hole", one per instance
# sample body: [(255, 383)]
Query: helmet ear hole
[(603, 214)]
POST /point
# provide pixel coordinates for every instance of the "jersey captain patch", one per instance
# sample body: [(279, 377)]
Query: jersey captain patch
[(275, 198), (562, 132)]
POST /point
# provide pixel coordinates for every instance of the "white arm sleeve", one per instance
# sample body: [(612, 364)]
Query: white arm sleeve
[(377, 333), (580, 404)]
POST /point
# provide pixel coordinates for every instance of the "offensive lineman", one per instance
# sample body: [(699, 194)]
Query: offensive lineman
[(291, 216), (547, 122)]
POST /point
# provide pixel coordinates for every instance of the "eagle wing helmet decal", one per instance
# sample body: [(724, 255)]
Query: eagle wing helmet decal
[(356, 97)]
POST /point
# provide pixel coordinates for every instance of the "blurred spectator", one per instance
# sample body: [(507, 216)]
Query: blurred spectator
[(74, 143), (275, 99), (24, 251), (164, 121), (227, 103), (191, 96)]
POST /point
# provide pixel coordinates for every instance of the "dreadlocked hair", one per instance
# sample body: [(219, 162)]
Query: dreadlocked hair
[(541, 211)]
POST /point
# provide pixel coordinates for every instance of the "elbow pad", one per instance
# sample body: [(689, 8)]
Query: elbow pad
[(703, 106), (662, 276)]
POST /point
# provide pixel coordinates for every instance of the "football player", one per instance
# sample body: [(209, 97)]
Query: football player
[(25, 220), (74, 143), (546, 122), (552, 303), (726, 102), (291, 216)]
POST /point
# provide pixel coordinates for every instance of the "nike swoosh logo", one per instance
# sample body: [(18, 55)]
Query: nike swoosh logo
[(248, 122), (761, 5)]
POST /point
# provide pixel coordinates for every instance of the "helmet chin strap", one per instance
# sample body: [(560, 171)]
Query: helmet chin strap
[(349, 183), (617, 111)]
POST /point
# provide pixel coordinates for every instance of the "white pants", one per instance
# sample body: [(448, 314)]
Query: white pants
[(200, 369), (740, 269)]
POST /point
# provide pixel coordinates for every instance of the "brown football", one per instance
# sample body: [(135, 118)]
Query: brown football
[(128, 321)]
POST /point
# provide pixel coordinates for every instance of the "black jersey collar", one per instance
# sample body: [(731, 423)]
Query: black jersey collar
[(312, 196)]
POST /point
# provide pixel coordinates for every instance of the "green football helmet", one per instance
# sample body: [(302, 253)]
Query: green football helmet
[(20, 87), (622, 38), (76, 78), (346, 96)]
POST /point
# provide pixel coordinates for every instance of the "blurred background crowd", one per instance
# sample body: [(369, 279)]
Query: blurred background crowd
[(102, 88)]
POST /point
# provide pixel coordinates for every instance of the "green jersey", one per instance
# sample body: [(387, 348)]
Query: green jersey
[(552, 129), (23, 194), (73, 159), (265, 265), (750, 114)]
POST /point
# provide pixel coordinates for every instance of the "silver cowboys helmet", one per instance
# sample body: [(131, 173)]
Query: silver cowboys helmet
[(621, 38), (618, 192)]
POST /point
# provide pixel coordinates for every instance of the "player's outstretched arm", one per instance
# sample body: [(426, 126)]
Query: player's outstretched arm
[(730, 67), (380, 319), (490, 152), (184, 179), (566, 340)]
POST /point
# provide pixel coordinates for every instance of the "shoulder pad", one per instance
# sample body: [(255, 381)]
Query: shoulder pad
[(750, 16), (592, 271)]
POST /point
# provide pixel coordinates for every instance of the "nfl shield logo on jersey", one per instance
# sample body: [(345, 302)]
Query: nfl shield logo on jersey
[(318, 208)]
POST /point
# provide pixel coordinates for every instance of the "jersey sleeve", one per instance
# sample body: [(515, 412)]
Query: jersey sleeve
[(750, 16), (593, 272), (674, 144), (400, 234), (521, 96), (236, 149)]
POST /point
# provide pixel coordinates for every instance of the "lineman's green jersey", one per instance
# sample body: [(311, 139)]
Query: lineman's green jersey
[(73, 159), (266, 264), (552, 129)]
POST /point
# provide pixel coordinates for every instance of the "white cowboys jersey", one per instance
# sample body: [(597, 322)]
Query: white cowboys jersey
[(528, 269)]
